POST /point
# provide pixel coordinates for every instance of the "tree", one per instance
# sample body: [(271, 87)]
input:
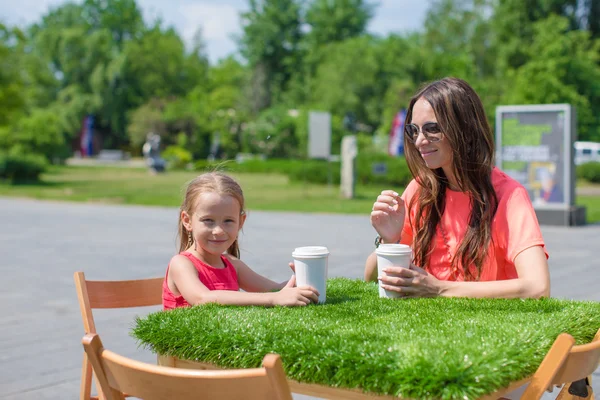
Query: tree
[(11, 82), (457, 40), (513, 24), (347, 83), (336, 20), (271, 36), (326, 22), (563, 66), (122, 18), (591, 17)]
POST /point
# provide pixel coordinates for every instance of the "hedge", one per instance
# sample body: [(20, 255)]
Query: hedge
[(16, 168), (589, 171), (395, 172)]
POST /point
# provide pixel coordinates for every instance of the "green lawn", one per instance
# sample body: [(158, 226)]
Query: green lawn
[(137, 186), (262, 191)]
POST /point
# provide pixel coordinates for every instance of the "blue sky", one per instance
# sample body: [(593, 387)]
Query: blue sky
[(219, 19)]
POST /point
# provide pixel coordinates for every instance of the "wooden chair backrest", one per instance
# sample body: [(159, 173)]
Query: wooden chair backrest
[(117, 374), (110, 294), (565, 363)]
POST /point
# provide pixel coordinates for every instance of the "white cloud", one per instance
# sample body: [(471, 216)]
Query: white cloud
[(25, 12), (398, 16), (218, 23)]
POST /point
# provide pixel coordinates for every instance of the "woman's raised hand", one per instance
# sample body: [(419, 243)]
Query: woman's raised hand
[(387, 216)]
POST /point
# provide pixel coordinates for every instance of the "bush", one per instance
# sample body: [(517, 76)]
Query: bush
[(177, 157), (315, 171), (396, 173), (589, 171), (273, 133), (17, 168), (396, 170), (272, 166)]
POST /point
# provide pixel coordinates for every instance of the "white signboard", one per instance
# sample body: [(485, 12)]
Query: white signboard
[(535, 147), (319, 135)]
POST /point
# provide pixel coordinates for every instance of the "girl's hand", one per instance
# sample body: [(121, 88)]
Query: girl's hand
[(291, 295), (410, 282), (388, 216)]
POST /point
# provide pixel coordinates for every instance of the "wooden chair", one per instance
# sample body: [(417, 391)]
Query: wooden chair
[(110, 294), (566, 364), (117, 375)]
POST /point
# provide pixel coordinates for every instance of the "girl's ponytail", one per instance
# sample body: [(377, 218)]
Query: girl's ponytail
[(234, 249), (183, 235)]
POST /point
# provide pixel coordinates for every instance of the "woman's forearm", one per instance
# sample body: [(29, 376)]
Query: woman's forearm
[(371, 268), (508, 289)]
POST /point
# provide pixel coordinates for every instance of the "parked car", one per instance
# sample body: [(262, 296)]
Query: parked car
[(586, 152)]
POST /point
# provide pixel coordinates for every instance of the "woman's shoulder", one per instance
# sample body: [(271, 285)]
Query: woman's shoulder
[(504, 185), (410, 189)]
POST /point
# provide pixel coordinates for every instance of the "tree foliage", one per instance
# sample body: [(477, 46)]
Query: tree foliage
[(100, 58)]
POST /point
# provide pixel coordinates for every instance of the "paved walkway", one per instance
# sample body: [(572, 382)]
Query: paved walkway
[(43, 243)]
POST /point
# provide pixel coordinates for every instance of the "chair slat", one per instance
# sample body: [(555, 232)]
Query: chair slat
[(564, 364), (125, 294), (110, 294), (153, 382)]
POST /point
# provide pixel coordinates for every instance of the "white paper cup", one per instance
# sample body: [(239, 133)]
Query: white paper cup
[(311, 268), (388, 255)]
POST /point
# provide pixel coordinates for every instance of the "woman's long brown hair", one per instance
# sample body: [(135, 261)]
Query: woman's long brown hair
[(216, 182), (461, 117)]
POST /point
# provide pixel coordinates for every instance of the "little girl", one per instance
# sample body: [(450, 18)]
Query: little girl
[(207, 268)]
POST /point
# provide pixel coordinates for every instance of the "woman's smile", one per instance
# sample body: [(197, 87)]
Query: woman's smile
[(426, 153)]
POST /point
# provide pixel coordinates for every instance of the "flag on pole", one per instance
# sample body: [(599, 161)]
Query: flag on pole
[(396, 143), (87, 133)]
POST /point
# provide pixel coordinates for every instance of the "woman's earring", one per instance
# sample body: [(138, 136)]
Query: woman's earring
[(190, 239)]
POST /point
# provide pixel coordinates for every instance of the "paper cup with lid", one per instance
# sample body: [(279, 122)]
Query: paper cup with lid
[(388, 255), (311, 268)]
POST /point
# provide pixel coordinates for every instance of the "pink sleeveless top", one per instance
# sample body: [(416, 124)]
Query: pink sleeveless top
[(211, 277)]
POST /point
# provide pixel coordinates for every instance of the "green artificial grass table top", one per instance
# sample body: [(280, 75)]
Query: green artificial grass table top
[(439, 348)]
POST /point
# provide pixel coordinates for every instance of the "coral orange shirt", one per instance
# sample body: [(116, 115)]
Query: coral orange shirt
[(514, 228)]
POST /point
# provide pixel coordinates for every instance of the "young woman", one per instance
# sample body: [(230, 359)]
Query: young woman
[(472, 228)]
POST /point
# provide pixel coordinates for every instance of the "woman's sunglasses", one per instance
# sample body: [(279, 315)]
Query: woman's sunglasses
[(431, 131)]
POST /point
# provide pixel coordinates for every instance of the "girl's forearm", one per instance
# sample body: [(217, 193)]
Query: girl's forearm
[(230, 297), (508, 289)]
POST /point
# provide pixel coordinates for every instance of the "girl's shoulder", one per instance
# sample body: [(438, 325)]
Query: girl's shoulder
[(234, 261), (180, 259)]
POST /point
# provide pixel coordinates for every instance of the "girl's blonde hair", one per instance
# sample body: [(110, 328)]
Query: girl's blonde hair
[(210, 182)]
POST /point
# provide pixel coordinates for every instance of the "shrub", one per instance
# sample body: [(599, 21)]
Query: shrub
[(15, 167), (318, 171), (396, 170), (272, 166), (177, 157), (589, 171), (315, 171), (273, 133)]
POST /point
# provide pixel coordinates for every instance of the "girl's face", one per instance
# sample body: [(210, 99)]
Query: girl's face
[(215, 224), (435, 154)]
